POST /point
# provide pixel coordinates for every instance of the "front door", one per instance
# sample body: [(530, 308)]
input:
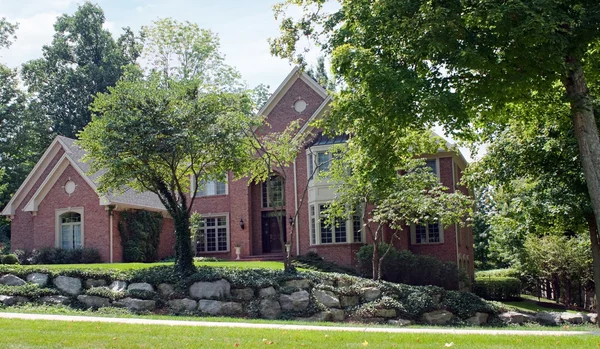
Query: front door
[(271, 239)]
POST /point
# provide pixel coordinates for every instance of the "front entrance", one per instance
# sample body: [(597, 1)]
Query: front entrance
[(271, 239)]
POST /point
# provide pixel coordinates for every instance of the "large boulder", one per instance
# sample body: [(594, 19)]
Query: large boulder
[(55, 300), (140, 286), (266, 292), (245, 294), (11, 280), (296, 301), (211, 290), (327, 298), (94, 301), (337, 315), (512, 317), (89, 283), (348, 301), (38, 278), (344, 283), (301, 283), (572, 318), (213, 307), (118, 286), (385, 313), (437, 317), (181, 305), (68, 285), (370, 294), (137, 304), (165, 290), (269, 308), (318, 317), (12, 300), (478, 319), (546, 318), (592, 317)]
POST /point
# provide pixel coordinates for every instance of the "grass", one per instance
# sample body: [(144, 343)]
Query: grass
[(24, 334), (530, 304), (134, 266)]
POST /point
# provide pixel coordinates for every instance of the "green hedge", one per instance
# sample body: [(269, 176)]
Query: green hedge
[(9, 259), (497, 288), (508, 272), (404, 267), (140, 235)]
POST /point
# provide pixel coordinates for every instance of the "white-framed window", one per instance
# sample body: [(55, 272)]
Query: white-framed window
[(212, 187), (434, 165), (343, 231), (317, 161), (213, 235), (273, 192), (432, 233), (69, 228)]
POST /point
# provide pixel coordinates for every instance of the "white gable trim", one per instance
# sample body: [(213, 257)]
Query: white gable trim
[(289, 80), (33, 176), (316, 115), (53, 176)]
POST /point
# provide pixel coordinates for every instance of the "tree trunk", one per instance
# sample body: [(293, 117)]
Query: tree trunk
[(586, 132), (375, 262), (184, 257), (593, 227)]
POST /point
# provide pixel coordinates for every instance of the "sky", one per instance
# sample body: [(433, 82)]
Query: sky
[(243, 26)]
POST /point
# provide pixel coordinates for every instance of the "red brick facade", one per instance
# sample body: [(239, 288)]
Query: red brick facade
[(242, 205)]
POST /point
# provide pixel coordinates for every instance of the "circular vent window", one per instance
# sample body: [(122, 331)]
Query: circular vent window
[(300, 105), (70, 187)]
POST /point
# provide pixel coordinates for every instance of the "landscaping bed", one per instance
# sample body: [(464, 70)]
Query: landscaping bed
[(247, 293)]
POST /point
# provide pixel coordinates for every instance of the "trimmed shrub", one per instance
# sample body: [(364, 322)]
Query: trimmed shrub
[(140, 235), (497, 288), (404, 267), (10, 259), (54, 255), (508, 272)]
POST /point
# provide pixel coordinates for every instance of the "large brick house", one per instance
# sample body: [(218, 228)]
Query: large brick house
[(58, 204)]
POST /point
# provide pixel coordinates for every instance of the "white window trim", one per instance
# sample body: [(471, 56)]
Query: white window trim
[(227, 227), (57, 214), (314, 152), (413, 237), (194, 180), (349, 229), (437, 166)]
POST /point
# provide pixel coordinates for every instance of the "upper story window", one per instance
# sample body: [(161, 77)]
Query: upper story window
[(212, 187), (318, 161), (433, 165), (431, 233), (273, 192), (342, 231)]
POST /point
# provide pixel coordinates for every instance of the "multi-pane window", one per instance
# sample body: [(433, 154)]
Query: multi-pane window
[(342, 231), (213, 235), (212, 187), (432, 164), (427, 234), (323, 160), (273, 194), (311, 165), (70, 231)]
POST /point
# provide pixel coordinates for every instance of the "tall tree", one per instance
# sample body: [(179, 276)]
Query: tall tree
[(460, 63), (185, 116), (319, 73), (82, 60), (7, 32)]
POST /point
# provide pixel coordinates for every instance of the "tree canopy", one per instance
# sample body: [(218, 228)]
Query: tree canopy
[(82, 60)]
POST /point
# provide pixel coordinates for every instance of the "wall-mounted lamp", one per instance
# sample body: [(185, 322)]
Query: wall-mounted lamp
[(242, 223), (291, 220)]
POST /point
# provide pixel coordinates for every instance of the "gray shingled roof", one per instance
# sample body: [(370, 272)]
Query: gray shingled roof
[(127, 197)]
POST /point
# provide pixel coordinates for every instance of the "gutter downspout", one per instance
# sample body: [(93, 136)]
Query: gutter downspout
[(110, 215), (455, 224), (296, 207)]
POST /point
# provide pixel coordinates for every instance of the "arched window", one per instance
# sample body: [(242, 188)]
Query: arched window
[(70, 230), (273, 192)]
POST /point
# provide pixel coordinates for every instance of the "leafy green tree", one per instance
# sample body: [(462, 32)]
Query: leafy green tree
[(460, 64), (82, 60), (153, 135), (396, 196), (7, 32)]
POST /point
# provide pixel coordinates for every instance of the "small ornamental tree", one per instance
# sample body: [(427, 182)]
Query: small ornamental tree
[(395, 196), (155, 134)]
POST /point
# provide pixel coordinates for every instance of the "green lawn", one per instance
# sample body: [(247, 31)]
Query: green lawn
[(133, 266), (22, 334)]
